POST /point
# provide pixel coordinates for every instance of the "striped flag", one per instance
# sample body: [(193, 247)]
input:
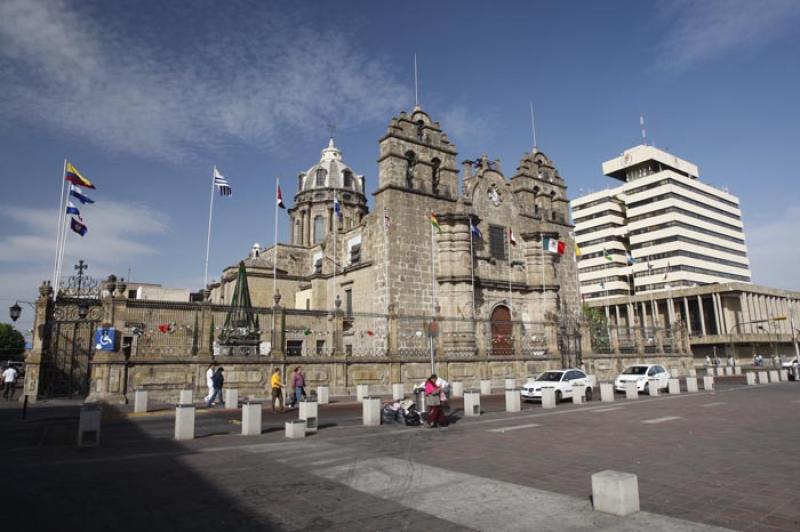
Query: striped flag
[(475, 231), (279, 198), (435, 222), (78, 194), (73, 176), (222, 184), (337, 207), (72, 209)]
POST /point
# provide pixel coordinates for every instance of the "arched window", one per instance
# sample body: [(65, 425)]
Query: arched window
[(348, 179), (321, 173), (420, 129), (319, 228), (436, 163), (411, 162), (298, 233)]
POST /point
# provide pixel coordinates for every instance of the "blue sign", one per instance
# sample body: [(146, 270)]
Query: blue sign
[(105, 339)]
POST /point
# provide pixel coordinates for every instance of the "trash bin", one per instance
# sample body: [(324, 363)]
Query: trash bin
[(419, 399)]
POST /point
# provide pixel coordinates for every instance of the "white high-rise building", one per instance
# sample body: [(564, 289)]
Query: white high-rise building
[(662, 229)]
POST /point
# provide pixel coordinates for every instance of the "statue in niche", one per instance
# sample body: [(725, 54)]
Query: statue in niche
[(494, 196), (411, 162), (435, 164)]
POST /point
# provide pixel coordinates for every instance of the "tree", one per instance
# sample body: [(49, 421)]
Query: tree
[(12, 343)]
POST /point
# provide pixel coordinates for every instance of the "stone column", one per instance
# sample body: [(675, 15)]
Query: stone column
[(109, 370), (688, 315), (41, 337), (278, 328), (702, 315)]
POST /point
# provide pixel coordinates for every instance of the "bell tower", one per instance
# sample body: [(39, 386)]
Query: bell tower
[(416, 155)]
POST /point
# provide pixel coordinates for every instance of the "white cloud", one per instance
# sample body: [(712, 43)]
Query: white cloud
[(703, 30), (62, 68), (774, 254)]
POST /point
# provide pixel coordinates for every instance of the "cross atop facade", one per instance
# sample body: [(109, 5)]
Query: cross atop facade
[(81, 267)]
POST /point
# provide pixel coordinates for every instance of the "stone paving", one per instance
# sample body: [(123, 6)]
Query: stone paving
[(724, 458)]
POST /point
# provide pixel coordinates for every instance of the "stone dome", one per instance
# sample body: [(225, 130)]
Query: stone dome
[(332, 172)]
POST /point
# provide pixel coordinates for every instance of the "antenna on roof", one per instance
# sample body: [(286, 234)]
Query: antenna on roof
[(644, 131), (533, 130), (416, 82), (331, 129)]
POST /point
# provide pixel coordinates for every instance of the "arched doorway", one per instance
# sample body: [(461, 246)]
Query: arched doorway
[(502, 329)]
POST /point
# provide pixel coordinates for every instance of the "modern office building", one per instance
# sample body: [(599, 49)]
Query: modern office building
[(662, 229)]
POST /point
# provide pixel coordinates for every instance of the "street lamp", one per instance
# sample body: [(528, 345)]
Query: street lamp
[(83, 310), (15, 311)]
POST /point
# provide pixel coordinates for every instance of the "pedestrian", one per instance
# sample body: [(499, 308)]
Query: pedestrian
[(218, 380), (708, 361), (9, 381), (444, 386), (433, 392), (755, 360), (299, 384), (277, 390), (731, 361), (212, 368)]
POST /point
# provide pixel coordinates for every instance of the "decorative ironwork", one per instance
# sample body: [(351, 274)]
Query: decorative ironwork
[(80, 284), (241, 333)]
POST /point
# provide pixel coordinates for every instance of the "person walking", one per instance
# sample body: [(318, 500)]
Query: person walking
[(9, 382), (299, 384), (277, 390), (212, 368), (433, 392), (218, 381)]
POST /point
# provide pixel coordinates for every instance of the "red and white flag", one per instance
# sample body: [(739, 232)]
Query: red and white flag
[(280, 198), (511, 237)]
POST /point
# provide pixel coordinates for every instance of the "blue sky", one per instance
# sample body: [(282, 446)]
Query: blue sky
[(144, 97)]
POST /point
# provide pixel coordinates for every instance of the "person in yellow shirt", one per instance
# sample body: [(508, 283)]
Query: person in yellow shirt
[(277, 390)]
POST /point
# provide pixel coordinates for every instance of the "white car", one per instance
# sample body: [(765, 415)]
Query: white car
[(789, 366), (561, 379), (643, 375)]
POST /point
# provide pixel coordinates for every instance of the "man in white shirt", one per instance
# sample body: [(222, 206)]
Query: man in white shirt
[(9, 381)]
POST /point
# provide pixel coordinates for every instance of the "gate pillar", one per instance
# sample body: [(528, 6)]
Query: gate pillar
[(33, 361)]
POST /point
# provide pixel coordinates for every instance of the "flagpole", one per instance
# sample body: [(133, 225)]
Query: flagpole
[(335, 223), (208, 238), (433, 295), (472, 268), (510, 267), (275, 240), (64, 235), (61, 220)]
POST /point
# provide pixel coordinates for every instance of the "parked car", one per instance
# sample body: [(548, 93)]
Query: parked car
[(561, 379), (643, 375), (789, 366)]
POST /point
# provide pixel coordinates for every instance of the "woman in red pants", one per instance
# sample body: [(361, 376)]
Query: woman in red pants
[(436, 417)]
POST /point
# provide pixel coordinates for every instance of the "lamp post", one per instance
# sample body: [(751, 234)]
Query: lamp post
[(15, 311)]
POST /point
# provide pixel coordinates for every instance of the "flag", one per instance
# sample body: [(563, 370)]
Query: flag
[(607, 256), (435, 222), (578, 252), (73, 176), (629, 259), (337, 207), (553, 246), (511, 238), (473, 229), (72, 209), (279, 199), (306, 332), (77, 226), (667, 272), (222, 184), (387, 222), (602, 285), (78, 194)]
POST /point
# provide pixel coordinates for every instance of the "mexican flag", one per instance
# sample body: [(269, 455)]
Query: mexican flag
[(553, 246)]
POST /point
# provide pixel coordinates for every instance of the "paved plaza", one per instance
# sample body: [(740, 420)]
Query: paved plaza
[(727, 459)]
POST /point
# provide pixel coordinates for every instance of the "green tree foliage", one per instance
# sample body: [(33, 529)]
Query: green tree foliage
[(12, 343)]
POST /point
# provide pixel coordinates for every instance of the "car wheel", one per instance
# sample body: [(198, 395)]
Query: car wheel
[(588, 394), (558, 397), (646, 389)]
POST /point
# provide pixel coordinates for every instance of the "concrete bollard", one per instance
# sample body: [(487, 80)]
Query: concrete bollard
[(513, 400), (763, 378), (510, 384), (362, 391), (472, 403), (710, 372), (607, 392), (615, 493), (737, 370), (674, 386), (140, 401), (184, 422), (486, 387), (652, 388), (322, 395), (631, 391), (751, 378), (295, 429), (784, 375), (398, 391), (89, 424), (691, 384), (593, 381), (719, 372), (309, 412), (251, 418), (185, 397), (548, 397), (578, 394), (231, 398), (708, 383), (457, 389), (693, 372), (371, 411), (773, 376), (728, 371)]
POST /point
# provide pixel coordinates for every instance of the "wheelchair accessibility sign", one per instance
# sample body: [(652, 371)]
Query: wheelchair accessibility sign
[(105, 339)]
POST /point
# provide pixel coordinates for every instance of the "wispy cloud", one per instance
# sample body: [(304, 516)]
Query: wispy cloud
[(773, 254), (130, 93), (701, 31)]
